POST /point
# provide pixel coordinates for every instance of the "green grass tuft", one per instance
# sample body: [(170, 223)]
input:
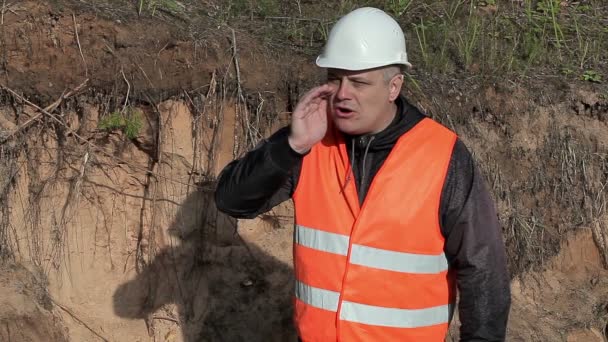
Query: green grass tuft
[(130, 124)]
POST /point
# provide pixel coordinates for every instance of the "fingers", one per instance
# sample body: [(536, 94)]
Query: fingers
[(313, 100), (315, 94), (325, 91)]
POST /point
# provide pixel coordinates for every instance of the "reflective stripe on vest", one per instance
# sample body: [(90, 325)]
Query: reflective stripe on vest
[(369, 256), (373, 315)]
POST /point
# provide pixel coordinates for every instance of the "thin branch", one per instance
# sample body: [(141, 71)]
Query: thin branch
[(126, 194), (146, 76), (167, 319), (236, 66), (86, 69), (75, 317), (240, 98), (3, 9), (124, 107), (196, 133), (78, 182), (47, 109)]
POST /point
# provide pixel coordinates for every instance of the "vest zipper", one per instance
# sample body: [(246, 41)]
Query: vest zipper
[(362, 207)]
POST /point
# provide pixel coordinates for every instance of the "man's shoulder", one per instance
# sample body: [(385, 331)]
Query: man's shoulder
[(433, 132), (460, 151), (440, 127), (413, 116)]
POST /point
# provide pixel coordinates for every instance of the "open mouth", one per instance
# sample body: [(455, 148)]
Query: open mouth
[(344, 111)]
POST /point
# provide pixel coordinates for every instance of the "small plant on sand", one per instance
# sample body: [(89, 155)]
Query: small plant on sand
[(130, 123), (591, 76)]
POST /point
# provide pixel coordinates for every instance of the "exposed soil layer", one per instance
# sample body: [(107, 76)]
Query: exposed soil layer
[(108, 229)]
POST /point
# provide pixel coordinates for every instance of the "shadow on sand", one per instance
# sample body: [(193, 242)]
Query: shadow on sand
[(224, 289)]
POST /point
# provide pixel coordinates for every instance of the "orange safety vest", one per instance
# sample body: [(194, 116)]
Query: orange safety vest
[(376, 272)]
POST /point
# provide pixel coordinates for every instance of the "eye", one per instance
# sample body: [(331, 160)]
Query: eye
[(359, 83)]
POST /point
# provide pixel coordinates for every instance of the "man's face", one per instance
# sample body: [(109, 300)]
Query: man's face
[(362, 101)]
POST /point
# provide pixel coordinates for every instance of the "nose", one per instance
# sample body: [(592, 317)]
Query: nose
[(343, 90)]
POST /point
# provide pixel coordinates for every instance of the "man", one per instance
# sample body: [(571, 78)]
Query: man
[(391, 214)]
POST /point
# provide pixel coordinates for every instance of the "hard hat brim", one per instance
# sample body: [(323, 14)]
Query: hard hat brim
[(329, 63)]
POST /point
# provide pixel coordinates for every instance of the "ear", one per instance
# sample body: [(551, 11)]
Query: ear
[(395, 87)]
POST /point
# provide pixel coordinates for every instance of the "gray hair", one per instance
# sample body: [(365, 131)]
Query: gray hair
[(391, 71)]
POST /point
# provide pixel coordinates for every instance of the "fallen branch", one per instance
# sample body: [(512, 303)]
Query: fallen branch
[(124, 107), (196, 137), (164, 318), (146, 76), (5, 8), (75, 317), (86, 69), (2, 10), (47, 110), (236, 66), (240, 98)]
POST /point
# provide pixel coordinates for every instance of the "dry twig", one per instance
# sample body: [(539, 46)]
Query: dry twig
[(47, 110), (146, 76), (86, 69), (77, 319), (167, 319), (239, 94), (5, 8), (2, 10), (124, 107)]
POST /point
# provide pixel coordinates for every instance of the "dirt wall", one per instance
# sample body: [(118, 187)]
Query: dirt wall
[(107, 193)]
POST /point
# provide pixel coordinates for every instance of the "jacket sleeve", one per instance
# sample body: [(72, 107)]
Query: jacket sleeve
[(260, 180), (475, 250)]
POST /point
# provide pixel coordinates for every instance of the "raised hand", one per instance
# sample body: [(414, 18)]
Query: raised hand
[(309, 119)]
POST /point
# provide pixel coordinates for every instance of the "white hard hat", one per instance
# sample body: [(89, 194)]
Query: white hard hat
[(365, 38)]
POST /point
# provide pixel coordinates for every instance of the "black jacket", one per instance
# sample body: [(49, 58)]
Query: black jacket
[(268, 175)]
